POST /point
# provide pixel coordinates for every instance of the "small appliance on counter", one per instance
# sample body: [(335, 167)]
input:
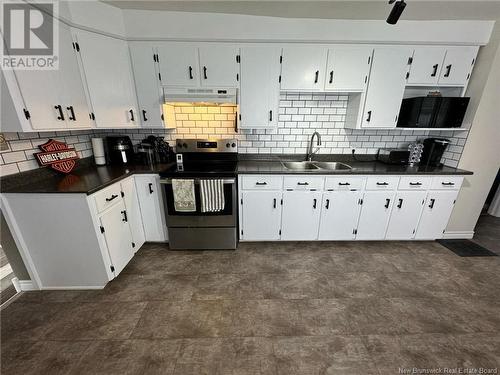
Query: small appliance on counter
[(415, 153), (432, 111), (119, 150), (98, 151), (393, 156), (433, 151), (153, 150)]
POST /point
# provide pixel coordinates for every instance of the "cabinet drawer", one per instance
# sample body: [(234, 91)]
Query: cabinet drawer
[(261, 182), (107, 197), (304, 182), (382, 183), (446, 183), (344, 183), (414, 183)]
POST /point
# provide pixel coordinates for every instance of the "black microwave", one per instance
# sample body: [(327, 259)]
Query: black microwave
[(432, 112)]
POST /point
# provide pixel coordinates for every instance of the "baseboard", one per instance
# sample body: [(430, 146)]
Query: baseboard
[(458, 235), (93, 287), (23, 285)]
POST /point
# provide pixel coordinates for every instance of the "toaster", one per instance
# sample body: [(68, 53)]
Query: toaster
[(393, 156)]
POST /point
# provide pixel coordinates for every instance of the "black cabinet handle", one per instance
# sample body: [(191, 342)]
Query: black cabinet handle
[(205, 72), (387, 202), (327, 206), (369, 116), (125, 219), (190, 72), (316, 76), (314, 203), (71, 110), (61, 114), (400, 204), (448, 70), (434, 70), (382, 183), (344, 183), (447, 183), (303, 183), (151, 191), (415, 183), (432, 203), (261, 183), (112, 197), (271, 115), (131, 115), (144, 115), (331, 77), (274, 203)]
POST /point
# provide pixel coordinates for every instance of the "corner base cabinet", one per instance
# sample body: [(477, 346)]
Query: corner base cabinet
[(345, 207)]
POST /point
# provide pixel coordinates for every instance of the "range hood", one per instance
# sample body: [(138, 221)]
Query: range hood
[(199, 96)]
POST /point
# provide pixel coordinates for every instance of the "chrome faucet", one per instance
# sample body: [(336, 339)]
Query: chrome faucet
[(310, 151)]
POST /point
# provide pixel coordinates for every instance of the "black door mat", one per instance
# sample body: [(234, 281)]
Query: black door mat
[(466, 248)]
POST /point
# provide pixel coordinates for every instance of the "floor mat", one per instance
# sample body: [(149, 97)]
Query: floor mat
[(466, 248)]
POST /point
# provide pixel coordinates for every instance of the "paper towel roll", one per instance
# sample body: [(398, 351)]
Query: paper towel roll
[(98, 149)]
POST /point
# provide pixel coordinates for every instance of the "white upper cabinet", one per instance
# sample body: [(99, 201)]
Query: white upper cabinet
[(347, 68), (218, 65), (178, 64), (147, 83), (457, 66), (106, 62), (303, 68), (426, 65), (259, 87), (385, 87)]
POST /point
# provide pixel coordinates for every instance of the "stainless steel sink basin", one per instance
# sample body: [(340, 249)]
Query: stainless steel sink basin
[(300, 165), (332, 165)]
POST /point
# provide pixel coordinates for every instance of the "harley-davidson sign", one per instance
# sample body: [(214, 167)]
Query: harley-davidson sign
[(57, 155)]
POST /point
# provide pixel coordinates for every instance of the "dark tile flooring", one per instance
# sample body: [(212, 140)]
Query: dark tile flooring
[(267, 308), (487, 232)]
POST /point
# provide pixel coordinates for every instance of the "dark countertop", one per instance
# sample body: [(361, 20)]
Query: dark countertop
[(88, 178)]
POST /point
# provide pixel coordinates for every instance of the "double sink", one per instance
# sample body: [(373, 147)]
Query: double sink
[(315, 165)]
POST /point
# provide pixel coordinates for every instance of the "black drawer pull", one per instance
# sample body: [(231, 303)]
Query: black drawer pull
[(314, 203), (415, 183), (303, 183), (327, 206), (190, 72), (125, 219), (261, 183), (61, 114), (112, 197), (432, 203), (400, 204), (150, 185), (316, 76), (387, 202), (344, 183), (447, 183), (382, 183), (72, 111), (274, 203), (434, 70)]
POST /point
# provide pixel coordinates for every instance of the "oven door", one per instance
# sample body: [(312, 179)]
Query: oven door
[(225, 218)]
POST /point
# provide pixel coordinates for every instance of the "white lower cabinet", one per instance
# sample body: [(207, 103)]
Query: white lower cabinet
[(152, 209), (131, 201), (260, 215), (375, 213), (116, 231), (405, 215), (301, 215), (436, 213), (339, 215)]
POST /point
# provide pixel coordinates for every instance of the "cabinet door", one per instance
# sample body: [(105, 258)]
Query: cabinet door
[(73, 96), (348, 68), (339, 215), (178, 64), (375, 213), (259, 87), (151, 204), (261, 215), (133, 212), (405, 215), (301, 214), (385, 87), (426, 66), (147, 84), (106, 62), (303, 68), (457, 66), (218, 65), (436, 213), (118, 237)]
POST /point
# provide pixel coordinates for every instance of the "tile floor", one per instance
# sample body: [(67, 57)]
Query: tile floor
[(487, 232), (268, 308)]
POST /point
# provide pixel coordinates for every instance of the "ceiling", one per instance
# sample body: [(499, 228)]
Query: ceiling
[(342, 9)]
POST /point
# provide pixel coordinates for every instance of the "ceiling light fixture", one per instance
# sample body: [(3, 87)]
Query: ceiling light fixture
[(396, 11)]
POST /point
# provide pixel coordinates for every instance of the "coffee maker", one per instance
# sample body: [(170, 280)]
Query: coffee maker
[(119, 150), (433, 151)]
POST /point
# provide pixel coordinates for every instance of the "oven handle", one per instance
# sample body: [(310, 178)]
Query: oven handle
[(226, 181)]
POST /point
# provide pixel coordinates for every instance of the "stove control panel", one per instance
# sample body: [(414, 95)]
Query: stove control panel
[(206, 145)]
